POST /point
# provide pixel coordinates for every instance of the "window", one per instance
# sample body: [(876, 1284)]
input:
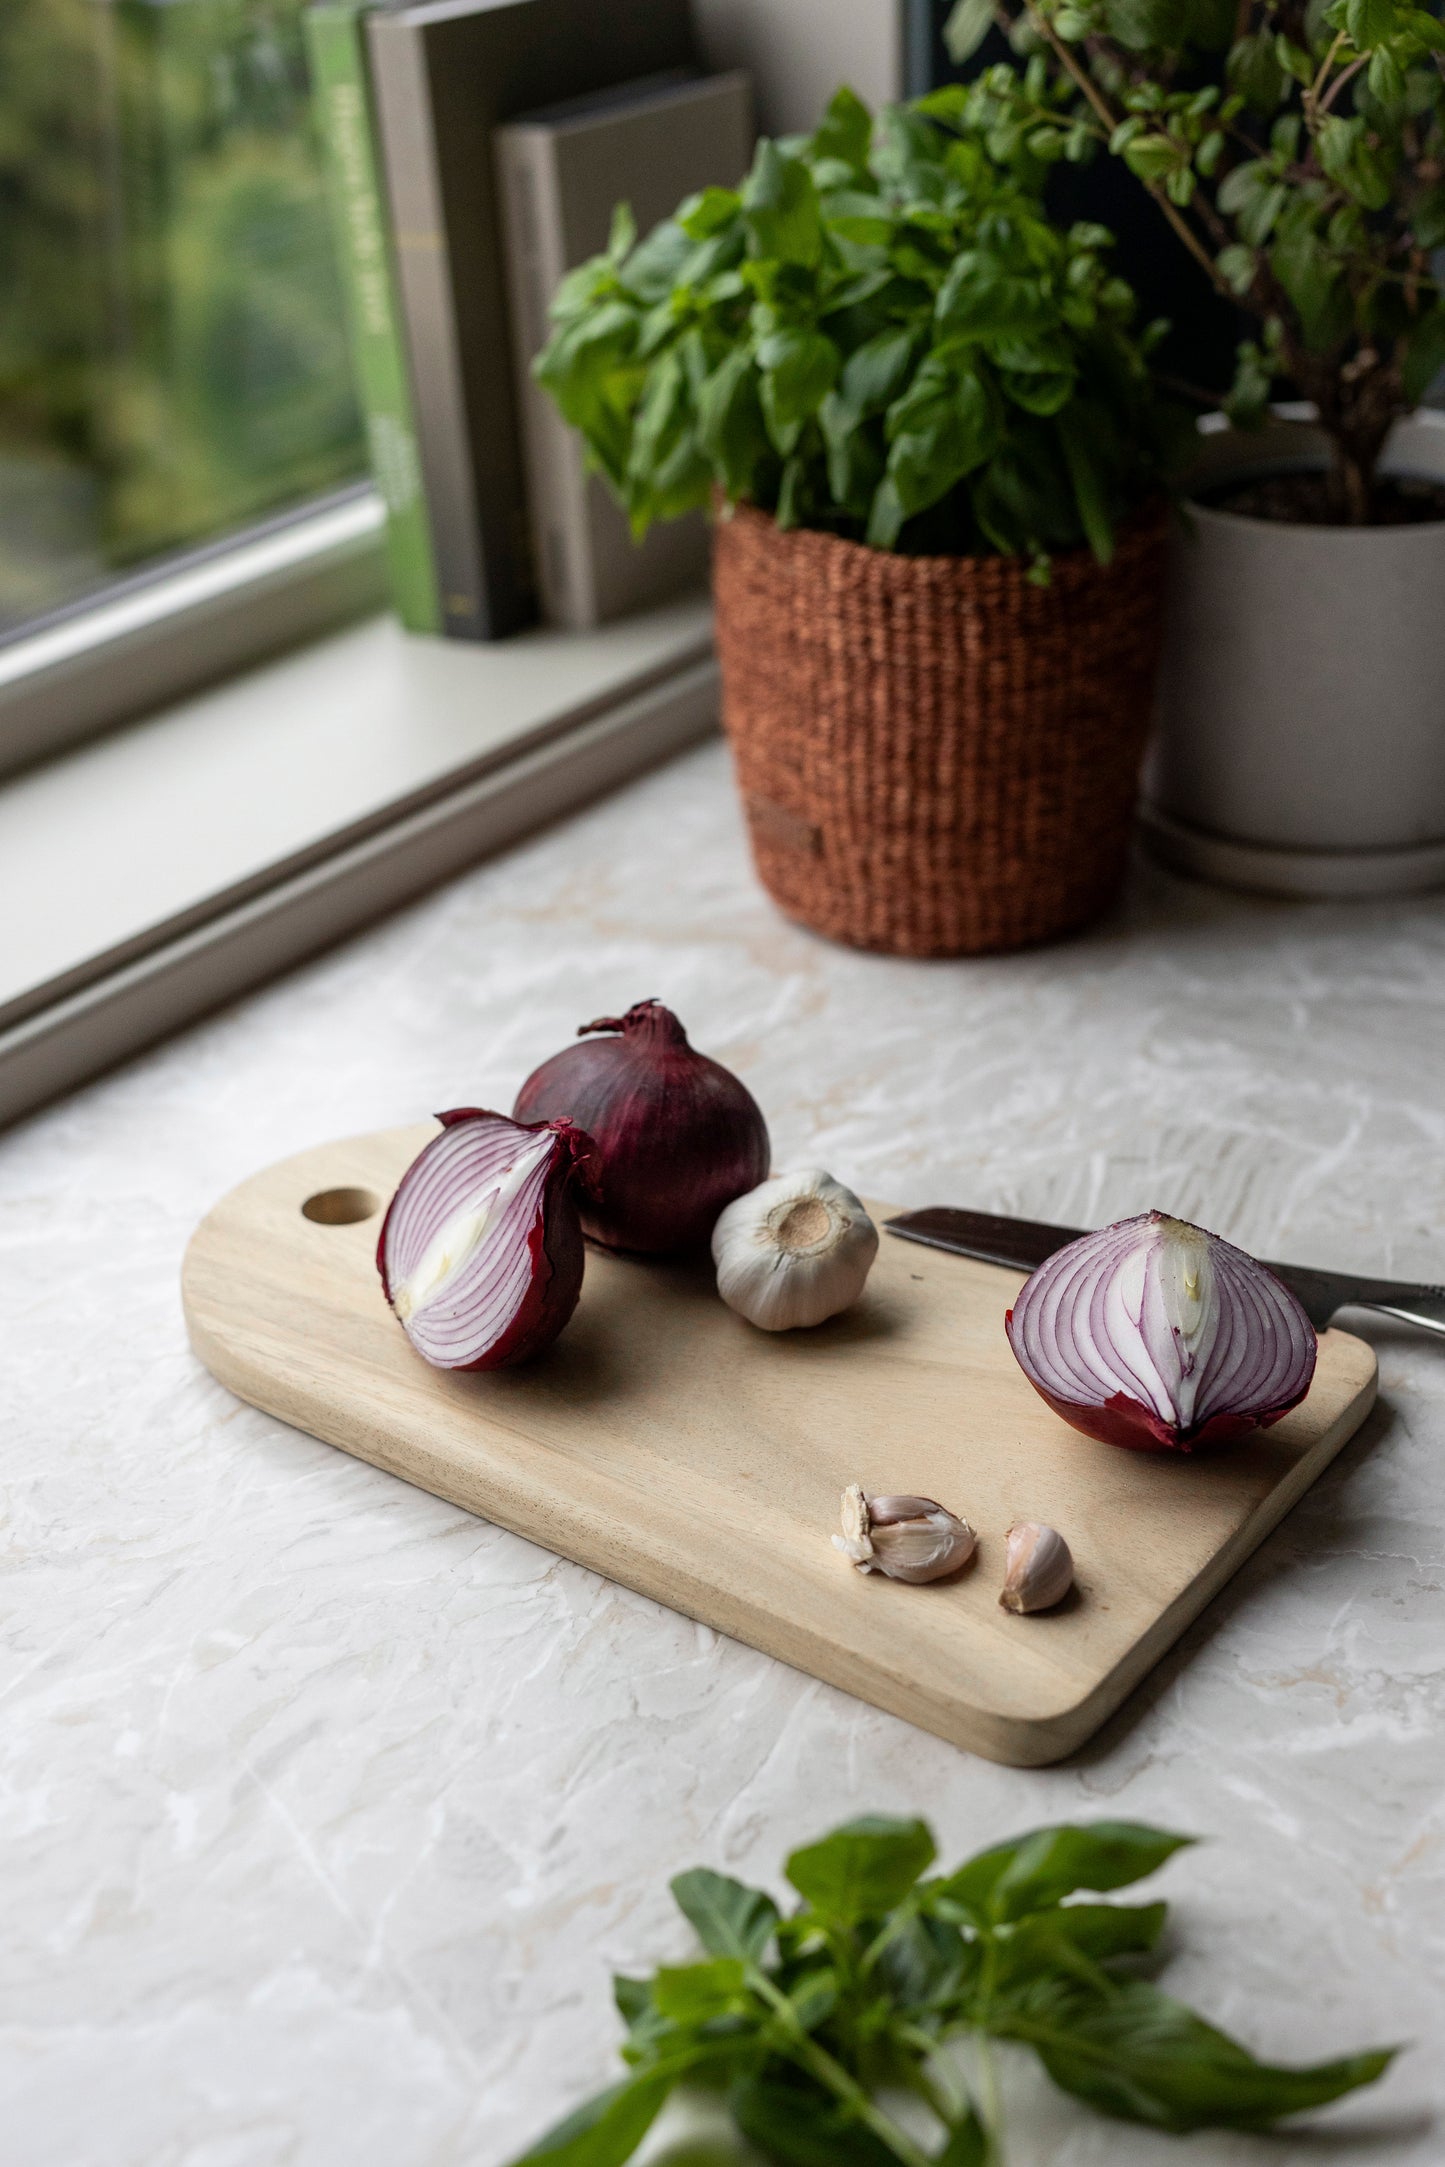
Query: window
[(173, 351)]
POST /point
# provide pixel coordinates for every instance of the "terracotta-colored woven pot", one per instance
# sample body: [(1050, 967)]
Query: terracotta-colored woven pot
[(937, 757)]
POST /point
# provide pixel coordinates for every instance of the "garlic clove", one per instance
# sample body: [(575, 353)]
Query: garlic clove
[(794, 1251), (1038, 1567), (905, 1538)]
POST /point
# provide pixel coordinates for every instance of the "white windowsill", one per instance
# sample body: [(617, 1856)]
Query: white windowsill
[(160, 870), (190, 622)]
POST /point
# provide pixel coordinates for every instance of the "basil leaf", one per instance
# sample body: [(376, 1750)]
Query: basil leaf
[(1037, 393), (1040, 1869), (940, 430), (792, 488), (875, 373), (608, 2129), (633, 1998), (863, 1869), (730, 424), (1046, 1959), (799, 369), (925, 1963), (885, 515), (1100, 1932), (695, 1993), (814, 1998), (780, 208), (796, 2124), (1143, 2057), (649, 271), (846, 131), (728, 1918), (855, 457), (978, 300), (1080, 449), (709, 212)]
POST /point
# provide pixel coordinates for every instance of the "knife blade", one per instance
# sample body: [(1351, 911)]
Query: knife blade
[(1023, 1244)]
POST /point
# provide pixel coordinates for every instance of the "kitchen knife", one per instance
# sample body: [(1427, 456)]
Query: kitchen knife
[(1022, 1244)]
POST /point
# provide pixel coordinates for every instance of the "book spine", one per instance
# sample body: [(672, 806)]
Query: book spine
[(556, 475), (407, 133), (336, 47)]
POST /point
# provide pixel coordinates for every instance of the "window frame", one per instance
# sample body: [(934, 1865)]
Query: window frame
[(137, 645)]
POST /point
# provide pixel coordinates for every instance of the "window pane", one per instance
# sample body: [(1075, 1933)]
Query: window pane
[(173, 354)]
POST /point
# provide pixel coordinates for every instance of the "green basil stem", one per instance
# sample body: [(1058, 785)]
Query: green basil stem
[(820, 2064), (948, 2104), (903, 1916), (992, 2097), (987, 2067)]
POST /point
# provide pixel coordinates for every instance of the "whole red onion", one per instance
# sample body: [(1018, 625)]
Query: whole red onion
[(1155, 1334), (676, 1135), (481, 1248)]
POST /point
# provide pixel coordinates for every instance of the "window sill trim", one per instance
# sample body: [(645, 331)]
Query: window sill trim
[(160, 636), (109, 1005)]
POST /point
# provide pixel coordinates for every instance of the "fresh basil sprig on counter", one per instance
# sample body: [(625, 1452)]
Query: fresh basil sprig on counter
[(806, 2020)]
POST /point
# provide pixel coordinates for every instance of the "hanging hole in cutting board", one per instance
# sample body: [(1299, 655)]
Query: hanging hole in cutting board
[(341, 1207)]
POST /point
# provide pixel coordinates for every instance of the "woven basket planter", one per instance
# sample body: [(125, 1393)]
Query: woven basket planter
[(937, 758)]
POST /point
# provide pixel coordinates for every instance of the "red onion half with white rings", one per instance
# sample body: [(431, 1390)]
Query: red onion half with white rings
[(481, 1249), (677, 1135), (1157, 1335)]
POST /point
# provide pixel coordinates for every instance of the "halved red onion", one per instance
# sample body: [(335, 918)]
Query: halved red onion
[(481, 1249), (1155, 1334)]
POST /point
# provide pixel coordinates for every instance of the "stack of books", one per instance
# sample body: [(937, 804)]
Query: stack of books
[(475, 150)]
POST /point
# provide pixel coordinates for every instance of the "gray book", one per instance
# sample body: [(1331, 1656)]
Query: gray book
[(444, 74), (798, 52), (561, 172)]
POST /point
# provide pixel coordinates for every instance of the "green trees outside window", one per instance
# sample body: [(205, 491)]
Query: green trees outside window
[(173, 355)]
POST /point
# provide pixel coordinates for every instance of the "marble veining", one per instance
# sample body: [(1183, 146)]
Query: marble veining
[(326, 1809)]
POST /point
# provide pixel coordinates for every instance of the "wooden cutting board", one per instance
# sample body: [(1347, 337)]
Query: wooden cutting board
[(664, 1442)]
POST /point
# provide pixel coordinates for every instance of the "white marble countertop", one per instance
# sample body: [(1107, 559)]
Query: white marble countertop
[(326, 1809)]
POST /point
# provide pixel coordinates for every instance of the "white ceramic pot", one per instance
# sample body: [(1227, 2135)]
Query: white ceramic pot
[(1300, 743)]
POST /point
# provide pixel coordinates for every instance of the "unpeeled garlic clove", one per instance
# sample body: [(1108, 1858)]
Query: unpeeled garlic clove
[(906, 1538), (793, 1251), (1038, 1567)]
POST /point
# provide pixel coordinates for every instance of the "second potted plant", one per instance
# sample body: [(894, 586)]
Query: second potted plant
[(931, 431), (1298, 153)]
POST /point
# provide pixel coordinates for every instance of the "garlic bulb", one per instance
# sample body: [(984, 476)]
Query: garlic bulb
[(794, 1251), (906, 1538), (1038, 1567)]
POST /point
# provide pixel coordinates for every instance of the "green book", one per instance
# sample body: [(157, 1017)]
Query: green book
[(336, 44)]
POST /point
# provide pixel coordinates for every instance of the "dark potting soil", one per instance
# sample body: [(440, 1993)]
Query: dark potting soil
[(1302, 500)]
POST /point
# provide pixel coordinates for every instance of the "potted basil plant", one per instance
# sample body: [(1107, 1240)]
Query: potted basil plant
[(928, 422), (1298, 154)]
